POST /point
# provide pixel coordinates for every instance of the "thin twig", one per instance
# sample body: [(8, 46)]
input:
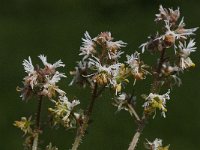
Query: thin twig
[(134, 112), (134, 141)]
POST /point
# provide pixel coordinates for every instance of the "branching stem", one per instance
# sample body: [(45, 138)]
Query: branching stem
[(155, 88), (134, 112)]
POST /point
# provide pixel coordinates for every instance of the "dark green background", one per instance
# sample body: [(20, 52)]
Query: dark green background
[(55, 28)]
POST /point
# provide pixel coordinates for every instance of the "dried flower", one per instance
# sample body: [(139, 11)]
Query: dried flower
[(153, 44), (168, 69), (63, 112), (137, 67), (170, 14), (41, 81), (24, 124), (88, 47), (180, 33)]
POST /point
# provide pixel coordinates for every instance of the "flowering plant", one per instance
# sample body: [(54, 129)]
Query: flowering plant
[(99, 68)]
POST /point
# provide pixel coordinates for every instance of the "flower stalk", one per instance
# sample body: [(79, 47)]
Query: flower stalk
[(83, 127), (37, 129), (155, 88), (100, 68)]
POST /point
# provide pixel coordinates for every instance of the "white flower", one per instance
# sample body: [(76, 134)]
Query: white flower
[(56, 77), (180, 32), (176, 80), (184, 53), (138, 68), (171, 15), (121, 102), (50, 85), (103, 38), (133, 61), (28, 66), (79, 73), (115, 45), (111, 70), (143, 46), (63, 112), (31, 79), (115, 55), (32, 74), (88, 47), (185, 49), (70, 105), (167, 69), (113, 48), (155, 145), (186, 63), (154, 101), (41, 81), (57, 64)]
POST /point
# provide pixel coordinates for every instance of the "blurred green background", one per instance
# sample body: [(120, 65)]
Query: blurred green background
[(55, 28)]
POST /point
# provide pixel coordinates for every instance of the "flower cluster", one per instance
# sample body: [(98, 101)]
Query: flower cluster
[(100, 67), (100, 62), (41, 81), (103, 40), (174, 35), (156, 101), (156, 145), (63, 113)]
